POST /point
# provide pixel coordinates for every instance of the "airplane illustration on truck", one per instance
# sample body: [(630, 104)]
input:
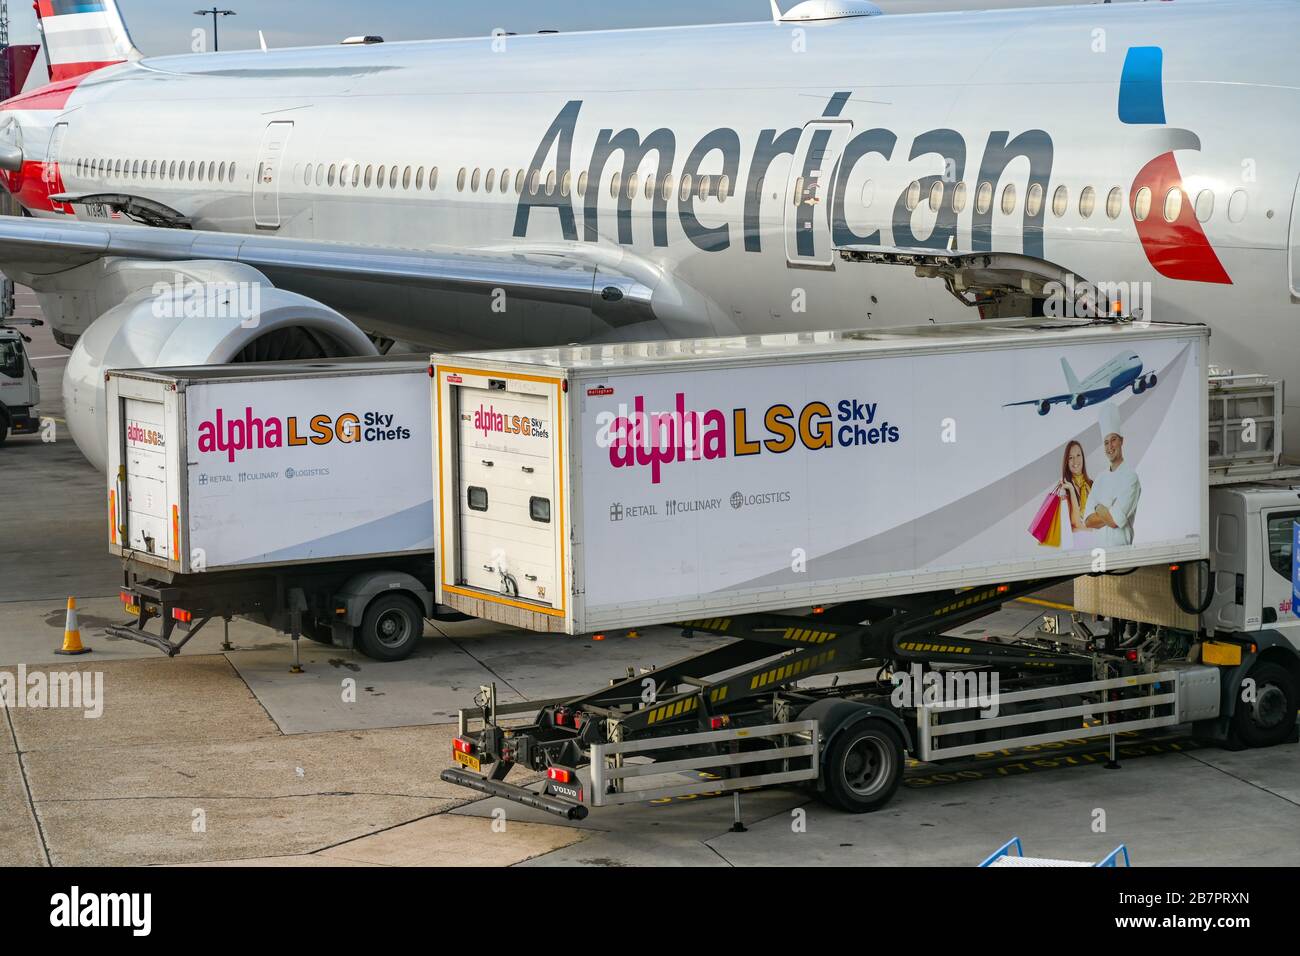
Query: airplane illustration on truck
[(1121, 372)]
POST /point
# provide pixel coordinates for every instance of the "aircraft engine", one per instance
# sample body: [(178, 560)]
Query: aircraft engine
[(1079, 402), (196, 324)]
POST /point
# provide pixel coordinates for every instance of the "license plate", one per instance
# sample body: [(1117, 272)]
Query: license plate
[(133, 610), (468, 760)]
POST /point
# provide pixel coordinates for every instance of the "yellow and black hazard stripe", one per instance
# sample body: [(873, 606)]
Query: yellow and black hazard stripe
[(795, 668), (930, 647)]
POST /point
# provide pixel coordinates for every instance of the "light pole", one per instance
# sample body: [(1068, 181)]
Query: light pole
[(214, 13)]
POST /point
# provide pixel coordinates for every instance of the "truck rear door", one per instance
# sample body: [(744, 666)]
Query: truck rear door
[(148, 527), (507, 509)]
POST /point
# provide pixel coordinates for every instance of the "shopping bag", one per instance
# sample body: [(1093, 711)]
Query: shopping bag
[(1053, 539), (1042, 522)]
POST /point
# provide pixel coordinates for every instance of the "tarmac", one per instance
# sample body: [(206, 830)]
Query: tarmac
[(222, 756)]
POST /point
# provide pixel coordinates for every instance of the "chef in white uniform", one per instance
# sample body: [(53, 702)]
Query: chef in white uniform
[(1113, 501)]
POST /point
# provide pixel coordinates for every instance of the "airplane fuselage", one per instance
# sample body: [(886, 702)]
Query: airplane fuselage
[(1039, 132)]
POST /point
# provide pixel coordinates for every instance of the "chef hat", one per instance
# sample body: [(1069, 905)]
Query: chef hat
[(1109, 420)]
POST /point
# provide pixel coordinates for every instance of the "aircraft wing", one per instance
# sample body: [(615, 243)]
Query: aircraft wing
[(32, 248), (1053, 400)]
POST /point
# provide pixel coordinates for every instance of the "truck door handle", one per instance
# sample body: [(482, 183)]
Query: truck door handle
[(531, 577), (528, 470), (487, 464), (489, 569)]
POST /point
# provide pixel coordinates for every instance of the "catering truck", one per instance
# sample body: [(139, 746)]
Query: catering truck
[(894, 485), (296, 494), (20, 391)]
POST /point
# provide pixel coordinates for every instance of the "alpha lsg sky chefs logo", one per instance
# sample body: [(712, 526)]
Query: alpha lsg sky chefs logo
[(638, 438), (248, 431)]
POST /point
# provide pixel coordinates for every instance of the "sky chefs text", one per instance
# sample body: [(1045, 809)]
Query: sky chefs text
[(657, 438), (249, 431)]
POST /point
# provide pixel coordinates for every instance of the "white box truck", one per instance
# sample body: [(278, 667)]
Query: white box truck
[(586, 488), (295, 493), (892, 488)]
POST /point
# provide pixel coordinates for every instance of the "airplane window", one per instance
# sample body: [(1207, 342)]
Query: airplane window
[(1009, 199), (306, 175), (984, 198), (911, 202), (474, 180), (231, 172), (702, 190), (1173, 204), (1087, 201), (724, 188), (406, 178), (1142, 204), (1114, 202), (356, 174), (433, 178), (1060, 201), (320, 174), (519, 183), (1204, 204), (329, 177), (666, 188), (343, 173), (687, 183), (202, 168), (392, 177), (419, 177), (868, 192), (153, 169), (582, 184), (190, 176), (490, 183), (936, 195), (633, 184), (1237, 204), (650, 183), (959, 197), (135, 169), (171, 170), (369, 178), (550, 183), (1034, 200), (221, 173), (566, 184), (534, 182), (460, 178), (615, 185)]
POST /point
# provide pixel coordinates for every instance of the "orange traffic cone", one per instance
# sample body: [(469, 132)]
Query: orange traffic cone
[(71, 633)]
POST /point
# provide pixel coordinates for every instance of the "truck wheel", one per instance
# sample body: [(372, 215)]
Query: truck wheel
[(863, 767), (391, 628), (1270, 718), (4, 428)]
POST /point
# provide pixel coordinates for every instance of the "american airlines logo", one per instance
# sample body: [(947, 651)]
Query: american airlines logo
[(1177, 248)]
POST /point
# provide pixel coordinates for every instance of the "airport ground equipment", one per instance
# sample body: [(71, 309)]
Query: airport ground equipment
[(832, 696), (1012, 853), (294, 494), (20, 389), (585, 488)]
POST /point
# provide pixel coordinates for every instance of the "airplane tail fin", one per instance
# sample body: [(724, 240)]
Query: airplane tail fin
[(81, 36), (1070, 381)]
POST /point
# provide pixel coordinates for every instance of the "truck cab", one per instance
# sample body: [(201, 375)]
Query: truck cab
[(19, 387), (1251, 535)]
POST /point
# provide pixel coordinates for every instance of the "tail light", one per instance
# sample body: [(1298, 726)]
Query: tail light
[(1132, 656), (718, 723), (559, 775), (126, 597), (461, 745), (561, 717), (185, 617)]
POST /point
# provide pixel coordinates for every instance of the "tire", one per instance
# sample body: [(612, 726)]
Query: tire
[(4, 429), (1270, 719), (391, 628), (863, 767)]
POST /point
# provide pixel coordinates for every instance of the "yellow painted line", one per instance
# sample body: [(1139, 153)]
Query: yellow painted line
[(1041, 603)]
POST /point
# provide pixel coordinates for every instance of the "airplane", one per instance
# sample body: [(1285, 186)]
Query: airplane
[(1121, 372), (790, 174)]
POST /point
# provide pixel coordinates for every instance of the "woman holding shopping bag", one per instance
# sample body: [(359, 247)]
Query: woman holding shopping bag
[(1074, 484), (1069, 493)]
